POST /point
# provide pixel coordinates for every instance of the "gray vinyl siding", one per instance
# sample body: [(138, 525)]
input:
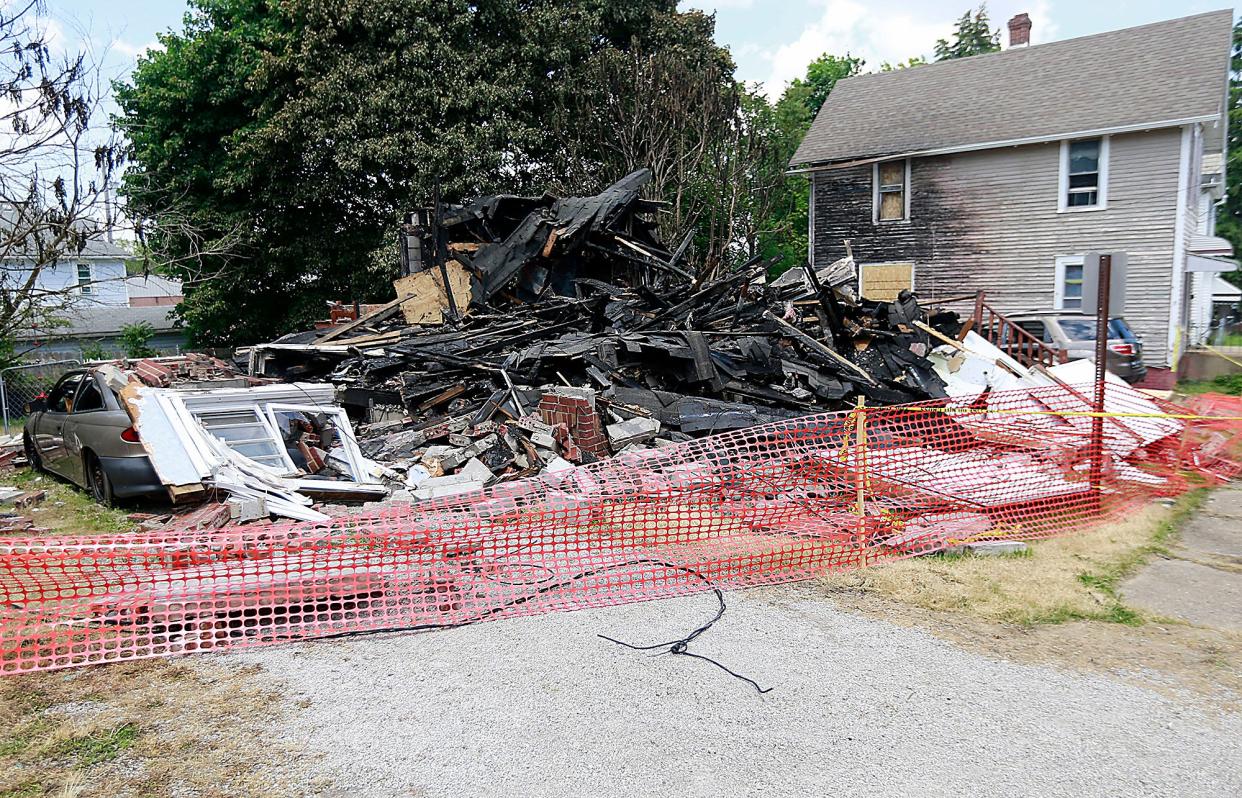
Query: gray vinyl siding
[(988, 221)]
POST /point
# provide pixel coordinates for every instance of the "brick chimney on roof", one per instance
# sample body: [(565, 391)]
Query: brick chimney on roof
[(1020, 30)]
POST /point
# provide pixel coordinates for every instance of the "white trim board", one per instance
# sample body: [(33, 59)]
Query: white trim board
[(1179, 249)]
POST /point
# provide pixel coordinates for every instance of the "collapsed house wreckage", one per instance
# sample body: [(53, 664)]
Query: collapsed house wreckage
[(538, 332), (533, 334)]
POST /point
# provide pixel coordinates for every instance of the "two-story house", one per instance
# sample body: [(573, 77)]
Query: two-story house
[(93, 298), (999, 172)]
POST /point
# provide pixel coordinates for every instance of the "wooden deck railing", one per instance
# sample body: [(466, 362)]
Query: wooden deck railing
[(1015, 341)]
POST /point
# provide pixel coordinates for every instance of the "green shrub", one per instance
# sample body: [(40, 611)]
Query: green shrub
[(135, 340)]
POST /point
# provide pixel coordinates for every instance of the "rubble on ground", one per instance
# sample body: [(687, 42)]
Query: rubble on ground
[(537, 331)]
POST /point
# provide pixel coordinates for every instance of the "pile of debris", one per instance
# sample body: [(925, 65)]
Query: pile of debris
[(534, 333)]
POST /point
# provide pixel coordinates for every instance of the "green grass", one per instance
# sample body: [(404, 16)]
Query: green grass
[(1107, 579), (100, 746), (68, 510), (1230, 384)]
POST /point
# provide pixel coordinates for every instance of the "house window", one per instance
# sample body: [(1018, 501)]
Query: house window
[(85, 279), (1067, 294), (1084, 174), (892, 196)]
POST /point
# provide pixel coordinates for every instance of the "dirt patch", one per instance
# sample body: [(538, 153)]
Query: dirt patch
[(139, 729)]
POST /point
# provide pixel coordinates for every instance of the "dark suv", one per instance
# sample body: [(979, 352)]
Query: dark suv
[(1074, 334)]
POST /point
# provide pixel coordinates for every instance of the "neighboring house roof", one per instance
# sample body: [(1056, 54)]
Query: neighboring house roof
[(94, 321), (1224, 291), (152, 285), (99, 248), (1201, 244), (1157, 75)]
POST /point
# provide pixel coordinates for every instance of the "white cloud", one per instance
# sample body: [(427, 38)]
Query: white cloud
[(132, 51), (886, 30)]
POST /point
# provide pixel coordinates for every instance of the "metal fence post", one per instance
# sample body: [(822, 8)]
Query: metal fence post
[(4, 403)]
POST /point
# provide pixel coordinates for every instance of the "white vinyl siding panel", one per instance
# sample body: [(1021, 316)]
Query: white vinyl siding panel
[(1001, 232)]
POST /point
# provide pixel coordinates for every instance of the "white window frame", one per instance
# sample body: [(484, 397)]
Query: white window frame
[(1101, 197), (875, 194), (1058, 288), (81, 287)]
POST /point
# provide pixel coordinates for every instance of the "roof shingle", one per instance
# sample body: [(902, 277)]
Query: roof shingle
[(1150, 75)]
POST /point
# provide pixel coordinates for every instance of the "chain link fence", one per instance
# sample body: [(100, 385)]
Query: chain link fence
[(21, 384)]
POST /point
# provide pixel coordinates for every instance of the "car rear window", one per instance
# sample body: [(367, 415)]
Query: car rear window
[(89, 398), (1084, 329)]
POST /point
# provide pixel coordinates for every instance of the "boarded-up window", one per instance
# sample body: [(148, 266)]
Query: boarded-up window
[(891, 191), (882, 281)]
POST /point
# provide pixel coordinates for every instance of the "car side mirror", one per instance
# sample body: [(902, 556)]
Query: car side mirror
[(37, 404)]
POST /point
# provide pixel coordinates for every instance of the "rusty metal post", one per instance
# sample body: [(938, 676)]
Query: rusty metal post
[(1104, 282)]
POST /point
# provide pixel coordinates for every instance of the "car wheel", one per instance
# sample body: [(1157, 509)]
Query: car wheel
[(32, 452), (97, 481)]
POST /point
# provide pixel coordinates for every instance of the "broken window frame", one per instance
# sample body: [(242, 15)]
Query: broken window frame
[(285, 466), (880, 191), (349, 445), (1060, 296), (1100, 188)]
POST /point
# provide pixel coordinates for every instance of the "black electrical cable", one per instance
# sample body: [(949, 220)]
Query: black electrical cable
[(674, 647), (680, 646)]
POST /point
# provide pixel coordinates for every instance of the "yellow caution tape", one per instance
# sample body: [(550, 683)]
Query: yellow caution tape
[(1219, 353)]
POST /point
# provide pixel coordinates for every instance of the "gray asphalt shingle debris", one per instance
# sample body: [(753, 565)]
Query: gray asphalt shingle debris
[(1061, 88)]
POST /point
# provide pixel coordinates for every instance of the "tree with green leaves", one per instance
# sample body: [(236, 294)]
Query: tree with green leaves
[(822, 75), (1229, 215), (972, 35), (276, 145), (912, 61)]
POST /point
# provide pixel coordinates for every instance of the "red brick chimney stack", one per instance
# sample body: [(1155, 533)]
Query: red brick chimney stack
[(1020, 30)]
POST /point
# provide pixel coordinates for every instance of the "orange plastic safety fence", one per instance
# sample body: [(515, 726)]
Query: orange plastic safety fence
[(768, 504)]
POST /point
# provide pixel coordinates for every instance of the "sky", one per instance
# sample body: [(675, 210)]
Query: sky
[(772, 41)]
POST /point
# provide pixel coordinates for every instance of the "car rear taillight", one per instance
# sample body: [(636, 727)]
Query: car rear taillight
[(1122, 349), (130, 434)]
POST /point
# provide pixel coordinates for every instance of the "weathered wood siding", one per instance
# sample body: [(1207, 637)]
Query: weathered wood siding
[(988, 220)]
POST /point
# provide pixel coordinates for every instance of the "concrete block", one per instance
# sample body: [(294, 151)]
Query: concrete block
[(989, 548), (636, 430), (247, 508), (476, 471)]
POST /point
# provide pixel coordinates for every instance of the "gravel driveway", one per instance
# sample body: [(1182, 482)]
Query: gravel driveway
[(542, 707)]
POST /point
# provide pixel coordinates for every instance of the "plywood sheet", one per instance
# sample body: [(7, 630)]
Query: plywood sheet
[(882, 281), (427, 300)]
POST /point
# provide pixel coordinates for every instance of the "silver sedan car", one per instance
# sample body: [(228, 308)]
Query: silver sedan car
[(81, 432)]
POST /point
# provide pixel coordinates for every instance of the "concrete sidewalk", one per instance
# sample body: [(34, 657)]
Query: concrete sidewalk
[(1202, 582)]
